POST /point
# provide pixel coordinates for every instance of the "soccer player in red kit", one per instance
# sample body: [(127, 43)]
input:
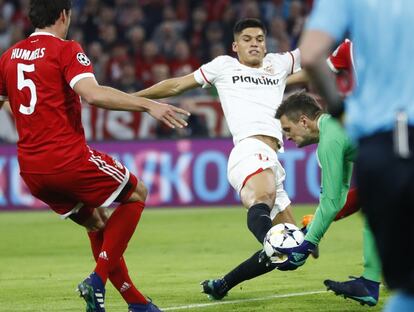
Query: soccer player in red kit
[(43, 78)]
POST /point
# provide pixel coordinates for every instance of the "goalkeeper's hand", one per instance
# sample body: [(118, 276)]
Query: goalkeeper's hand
[(268, 261), (296, 256)]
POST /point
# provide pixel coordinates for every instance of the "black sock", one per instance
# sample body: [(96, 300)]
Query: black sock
[(249, 269), (258, 221)]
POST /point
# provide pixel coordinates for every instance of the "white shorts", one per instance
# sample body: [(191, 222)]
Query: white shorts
[(251, 156)]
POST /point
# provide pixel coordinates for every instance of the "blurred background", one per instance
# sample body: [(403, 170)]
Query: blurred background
[(136, 43)]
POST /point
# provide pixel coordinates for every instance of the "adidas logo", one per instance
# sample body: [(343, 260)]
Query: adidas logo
[(103, 255), (125, 286)]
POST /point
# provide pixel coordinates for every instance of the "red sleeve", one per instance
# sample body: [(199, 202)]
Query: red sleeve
[(341, 58), (75, 64), (351, 205)]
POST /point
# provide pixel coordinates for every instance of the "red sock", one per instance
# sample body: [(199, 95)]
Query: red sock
[(119, 276), (96, 239), (118, 231), (351, 205)]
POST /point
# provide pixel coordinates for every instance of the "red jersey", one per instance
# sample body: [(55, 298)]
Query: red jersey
[(341, 62), (37, 76)]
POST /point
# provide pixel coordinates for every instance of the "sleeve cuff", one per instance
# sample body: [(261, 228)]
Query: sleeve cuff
[(80, 77)]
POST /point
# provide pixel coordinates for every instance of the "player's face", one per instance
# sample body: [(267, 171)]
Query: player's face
[(297, 132), (250, 46)]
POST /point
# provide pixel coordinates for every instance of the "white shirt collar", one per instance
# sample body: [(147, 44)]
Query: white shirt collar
[(45, 33), (318, 123)]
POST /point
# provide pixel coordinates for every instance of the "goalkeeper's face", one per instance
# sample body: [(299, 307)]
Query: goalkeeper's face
[(250, 46), (298, 132)]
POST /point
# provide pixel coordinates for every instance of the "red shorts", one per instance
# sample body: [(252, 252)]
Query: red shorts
[(97, 181)]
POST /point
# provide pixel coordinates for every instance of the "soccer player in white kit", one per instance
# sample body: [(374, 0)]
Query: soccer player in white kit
[(250, 89)]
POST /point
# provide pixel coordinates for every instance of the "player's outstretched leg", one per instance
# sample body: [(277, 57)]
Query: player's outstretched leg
[(119, 276), (217, 289), (122, 281), (359, 289), (116, 235)]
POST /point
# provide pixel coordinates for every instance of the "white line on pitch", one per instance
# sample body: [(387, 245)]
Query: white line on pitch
[(204, 305)]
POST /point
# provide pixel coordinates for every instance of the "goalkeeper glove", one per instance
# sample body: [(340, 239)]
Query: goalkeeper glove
[(296, 256)]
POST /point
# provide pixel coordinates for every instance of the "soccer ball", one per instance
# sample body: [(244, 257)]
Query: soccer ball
[(282, 235)]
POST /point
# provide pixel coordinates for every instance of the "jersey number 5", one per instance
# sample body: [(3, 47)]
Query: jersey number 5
[(22, 83)]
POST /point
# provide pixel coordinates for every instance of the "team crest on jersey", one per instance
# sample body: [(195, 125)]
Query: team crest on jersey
[(269, 69), (83, 59)]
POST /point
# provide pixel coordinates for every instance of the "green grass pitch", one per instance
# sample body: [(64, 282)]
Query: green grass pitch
[(43, 258)]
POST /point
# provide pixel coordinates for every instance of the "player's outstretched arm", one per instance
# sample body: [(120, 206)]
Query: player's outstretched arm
[(301, 77), (331, 157), (113, 99), (169, 87)]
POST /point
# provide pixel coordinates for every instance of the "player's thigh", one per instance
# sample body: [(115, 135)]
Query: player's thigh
[(139, 194), (250, 172), (95, 222), (281, 209), (259, 188), (284, 216), (51, 190), (98, 181)]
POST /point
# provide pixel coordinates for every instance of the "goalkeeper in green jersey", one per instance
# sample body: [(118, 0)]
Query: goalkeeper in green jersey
[(304, 122)]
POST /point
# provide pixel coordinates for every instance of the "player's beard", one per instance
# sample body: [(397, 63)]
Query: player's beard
[(308, 140)]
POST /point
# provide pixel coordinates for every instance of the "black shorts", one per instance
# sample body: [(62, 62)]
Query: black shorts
[(386, 188)]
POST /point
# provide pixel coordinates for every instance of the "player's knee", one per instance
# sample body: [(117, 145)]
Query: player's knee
[(253, 196), (142, 190), (94, 223), (103, 213), (99, 225), (265, 196), (140, 193)]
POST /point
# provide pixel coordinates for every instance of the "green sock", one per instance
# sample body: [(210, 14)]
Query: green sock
[(372, 264)]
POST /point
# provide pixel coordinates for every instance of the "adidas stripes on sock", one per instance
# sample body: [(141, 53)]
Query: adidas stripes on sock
[(119, 276)]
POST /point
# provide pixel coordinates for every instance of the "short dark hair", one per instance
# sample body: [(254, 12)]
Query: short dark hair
[(248, 23), (44, 13), (297, 104)]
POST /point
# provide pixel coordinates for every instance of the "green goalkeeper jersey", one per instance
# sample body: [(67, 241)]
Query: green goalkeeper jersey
[(335, 155)]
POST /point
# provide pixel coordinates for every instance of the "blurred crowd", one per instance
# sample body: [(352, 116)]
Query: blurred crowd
[(136, 43)]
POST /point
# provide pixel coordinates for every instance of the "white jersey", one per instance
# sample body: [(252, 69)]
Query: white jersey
[(250, 96)]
